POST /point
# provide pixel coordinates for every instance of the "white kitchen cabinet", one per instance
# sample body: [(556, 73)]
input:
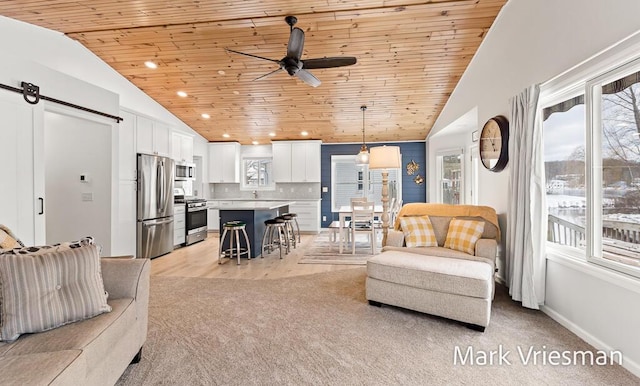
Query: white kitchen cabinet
[(296, 161), (213, 216), (127, 146), (179, 224), (224, 162), (181, 147), (281, 161), (308, 215), (152, 137)]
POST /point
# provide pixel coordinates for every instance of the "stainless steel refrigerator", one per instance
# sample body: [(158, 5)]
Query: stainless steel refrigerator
[(155, 206)]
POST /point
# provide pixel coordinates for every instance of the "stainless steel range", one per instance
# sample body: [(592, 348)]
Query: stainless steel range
[(196, 220)]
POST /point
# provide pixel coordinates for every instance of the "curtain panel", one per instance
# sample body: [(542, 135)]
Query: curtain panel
[(526, 219)]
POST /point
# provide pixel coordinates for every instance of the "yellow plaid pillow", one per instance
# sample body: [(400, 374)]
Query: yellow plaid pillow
[(463, 234), (418, 231)]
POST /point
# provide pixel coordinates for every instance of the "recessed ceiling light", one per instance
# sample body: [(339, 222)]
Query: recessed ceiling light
[(225, 135), (205, 116), (182, 94), (255, 142), (221, 72), (304, 133), (272, 134), (236, 92), (150, 64)]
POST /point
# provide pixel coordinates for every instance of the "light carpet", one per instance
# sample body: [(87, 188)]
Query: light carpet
[(324, 251), (319, 330)]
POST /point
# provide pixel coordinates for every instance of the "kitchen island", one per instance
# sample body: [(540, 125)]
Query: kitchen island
[(254, 214)]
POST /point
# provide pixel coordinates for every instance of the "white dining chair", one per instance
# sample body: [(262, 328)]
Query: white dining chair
[(362, 220)]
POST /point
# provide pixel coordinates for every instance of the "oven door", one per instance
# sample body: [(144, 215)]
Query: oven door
[(196, 219)]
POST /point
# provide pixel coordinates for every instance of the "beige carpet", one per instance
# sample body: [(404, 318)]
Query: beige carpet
[(319, 330), (324, 251)]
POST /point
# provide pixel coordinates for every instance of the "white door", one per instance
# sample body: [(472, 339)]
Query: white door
[(475, 163), (21, 191)]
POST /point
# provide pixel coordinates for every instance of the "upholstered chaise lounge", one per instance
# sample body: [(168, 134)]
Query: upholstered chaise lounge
[(439, 279)]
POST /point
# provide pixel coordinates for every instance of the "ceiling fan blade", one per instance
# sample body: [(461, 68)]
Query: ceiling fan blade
[(271, 73), (308, 78), (296, 43), (253, 56), (339, 61)]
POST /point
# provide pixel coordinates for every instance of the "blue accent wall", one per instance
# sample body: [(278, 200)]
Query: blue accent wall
[(411, 192)]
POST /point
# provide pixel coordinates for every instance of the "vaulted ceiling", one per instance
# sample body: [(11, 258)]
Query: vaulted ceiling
[(410, 54)]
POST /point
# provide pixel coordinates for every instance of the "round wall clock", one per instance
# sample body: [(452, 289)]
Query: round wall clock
[(494, 143)]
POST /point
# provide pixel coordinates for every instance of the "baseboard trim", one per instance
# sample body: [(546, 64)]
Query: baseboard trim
[(628, 364)]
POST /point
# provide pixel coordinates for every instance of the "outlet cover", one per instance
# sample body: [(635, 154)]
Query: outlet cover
[(87, 196), (324, 218), (325, 189)]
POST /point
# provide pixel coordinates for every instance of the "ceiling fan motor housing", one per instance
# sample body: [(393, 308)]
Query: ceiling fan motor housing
[(292, 65)]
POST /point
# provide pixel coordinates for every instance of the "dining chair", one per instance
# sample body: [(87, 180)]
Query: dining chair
[(362, 220)]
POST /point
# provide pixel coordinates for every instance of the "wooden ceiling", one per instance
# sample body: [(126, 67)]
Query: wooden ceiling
[(411, 54)]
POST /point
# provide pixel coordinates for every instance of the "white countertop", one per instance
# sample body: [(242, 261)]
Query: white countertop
[(254, 205)]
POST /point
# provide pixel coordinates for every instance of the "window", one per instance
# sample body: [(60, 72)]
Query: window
[(592, 169), (349, 180), (257, 173), (450, 176), (564, 133)]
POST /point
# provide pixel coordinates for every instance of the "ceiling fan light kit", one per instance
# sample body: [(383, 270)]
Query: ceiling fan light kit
[(293, 65)]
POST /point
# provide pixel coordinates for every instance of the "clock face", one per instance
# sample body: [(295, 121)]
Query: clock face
[(493, 140)]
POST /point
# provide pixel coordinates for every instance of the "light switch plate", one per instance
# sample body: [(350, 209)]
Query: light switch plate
[(325, 189), (87, 196)]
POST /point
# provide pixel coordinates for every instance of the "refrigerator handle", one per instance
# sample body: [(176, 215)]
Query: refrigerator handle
[(156, 223), (158, 186)]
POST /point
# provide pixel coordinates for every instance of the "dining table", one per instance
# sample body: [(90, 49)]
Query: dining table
[(346, 211)]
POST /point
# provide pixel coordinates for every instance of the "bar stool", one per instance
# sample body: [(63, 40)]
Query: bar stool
[(290, 234), (295, 219), (273, 226), (234, 228)]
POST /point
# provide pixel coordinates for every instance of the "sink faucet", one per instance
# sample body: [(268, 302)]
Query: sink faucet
[(255, 194)]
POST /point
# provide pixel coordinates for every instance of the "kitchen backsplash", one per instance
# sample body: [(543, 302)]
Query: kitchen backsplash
[(283, 191)]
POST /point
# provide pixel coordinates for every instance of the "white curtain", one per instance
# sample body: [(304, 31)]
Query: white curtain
[(526, 219)]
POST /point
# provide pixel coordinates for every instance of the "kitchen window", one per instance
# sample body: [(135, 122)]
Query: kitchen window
[(592, 169), (257, 174)]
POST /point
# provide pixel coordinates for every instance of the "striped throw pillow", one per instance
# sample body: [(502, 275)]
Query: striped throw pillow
[(463, 234), (45, 291), (418, 231)]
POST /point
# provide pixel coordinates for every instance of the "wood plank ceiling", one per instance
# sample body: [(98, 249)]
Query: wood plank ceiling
[(410, 53)]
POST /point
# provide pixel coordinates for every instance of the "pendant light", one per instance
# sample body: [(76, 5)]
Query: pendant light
[(363, 157)]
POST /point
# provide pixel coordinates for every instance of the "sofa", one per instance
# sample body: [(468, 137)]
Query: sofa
[(94, 351), (438, 279)]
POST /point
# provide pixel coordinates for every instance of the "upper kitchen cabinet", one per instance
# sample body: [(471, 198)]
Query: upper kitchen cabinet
[(127, 146), (181, 147), (224, 162), (296, 161), (153, 137)]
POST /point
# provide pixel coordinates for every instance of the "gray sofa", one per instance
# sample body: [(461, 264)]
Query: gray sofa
[(94, 351), (438, 280)]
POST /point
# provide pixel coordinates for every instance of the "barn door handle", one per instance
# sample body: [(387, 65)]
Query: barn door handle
[(41, 205)]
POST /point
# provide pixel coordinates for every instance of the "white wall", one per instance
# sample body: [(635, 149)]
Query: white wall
[(532, 42), (57, 51), (75, 146)]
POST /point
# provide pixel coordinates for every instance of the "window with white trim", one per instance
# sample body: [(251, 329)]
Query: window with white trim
[(592, 168), (349, 180)]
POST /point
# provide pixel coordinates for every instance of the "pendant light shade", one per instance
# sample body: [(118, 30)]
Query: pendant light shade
[(363, 157)]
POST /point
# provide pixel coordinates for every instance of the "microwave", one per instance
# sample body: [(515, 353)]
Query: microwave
[(185, 171)]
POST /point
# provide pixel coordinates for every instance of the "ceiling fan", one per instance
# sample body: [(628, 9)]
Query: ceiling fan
[(292, 62)]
